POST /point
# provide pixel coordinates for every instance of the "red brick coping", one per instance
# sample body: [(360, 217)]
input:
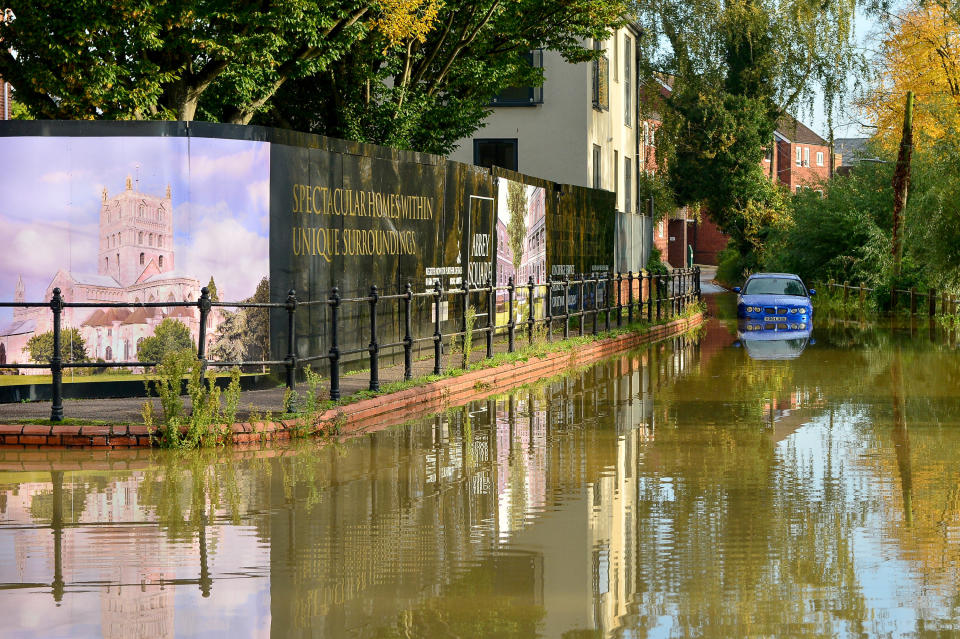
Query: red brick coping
[(366, 415)]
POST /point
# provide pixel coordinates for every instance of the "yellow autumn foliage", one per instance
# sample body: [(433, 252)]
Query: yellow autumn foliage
[(406, 20), (920, 53)]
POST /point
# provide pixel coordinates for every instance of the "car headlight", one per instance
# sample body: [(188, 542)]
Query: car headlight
[(793, 327), (793, 310), (803, 326)]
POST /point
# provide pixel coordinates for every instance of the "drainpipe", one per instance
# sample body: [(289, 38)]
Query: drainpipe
[(637, 128)]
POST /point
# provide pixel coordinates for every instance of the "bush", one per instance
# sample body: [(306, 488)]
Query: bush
[(170, 336)]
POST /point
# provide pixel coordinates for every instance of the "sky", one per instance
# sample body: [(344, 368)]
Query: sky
[(52, 192)]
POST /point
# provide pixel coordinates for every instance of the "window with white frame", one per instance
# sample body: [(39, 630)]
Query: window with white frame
[(627, 103), (627, 185), (798, 188), (806, 156), (799, 156), (819, 158)]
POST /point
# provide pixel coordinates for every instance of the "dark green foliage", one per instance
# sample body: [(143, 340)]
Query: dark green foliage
[(170, 336), (72, 346), (842, 236)]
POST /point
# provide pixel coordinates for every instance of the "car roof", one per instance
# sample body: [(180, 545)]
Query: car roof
[(765, 275)]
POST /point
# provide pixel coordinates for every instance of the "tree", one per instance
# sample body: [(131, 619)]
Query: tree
[(171, 335), (231, 339), (920, 53), (734, 70), (212, 290), (427, 93), (179, 60), (414, 74), (258, 323), (72, 346), (517, 227)]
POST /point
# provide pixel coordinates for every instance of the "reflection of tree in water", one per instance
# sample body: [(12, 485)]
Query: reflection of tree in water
[(732, 543)]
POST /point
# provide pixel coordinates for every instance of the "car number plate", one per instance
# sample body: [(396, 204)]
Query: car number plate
[(775, 318)]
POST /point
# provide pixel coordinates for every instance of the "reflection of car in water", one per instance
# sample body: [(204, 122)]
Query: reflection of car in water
[(765, 340)]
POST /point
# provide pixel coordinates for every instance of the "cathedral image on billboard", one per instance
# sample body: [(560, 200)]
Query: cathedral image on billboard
[(130, 246)]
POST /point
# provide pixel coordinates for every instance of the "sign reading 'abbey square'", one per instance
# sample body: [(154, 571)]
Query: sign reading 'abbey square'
[(152, 212)]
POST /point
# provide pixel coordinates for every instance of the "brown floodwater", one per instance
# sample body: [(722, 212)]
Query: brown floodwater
[(702, 487)]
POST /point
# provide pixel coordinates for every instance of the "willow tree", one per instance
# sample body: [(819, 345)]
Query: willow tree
[(734, 68)]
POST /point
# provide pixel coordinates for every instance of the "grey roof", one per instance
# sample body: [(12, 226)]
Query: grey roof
[(852, 149), (19, 328), (168, 275), (95, 280), (797, 131)]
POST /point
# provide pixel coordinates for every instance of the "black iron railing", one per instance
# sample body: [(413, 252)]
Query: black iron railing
[(609, 294)]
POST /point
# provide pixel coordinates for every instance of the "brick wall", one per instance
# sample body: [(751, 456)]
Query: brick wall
[(793, 175), (3, 97), (707, 241)]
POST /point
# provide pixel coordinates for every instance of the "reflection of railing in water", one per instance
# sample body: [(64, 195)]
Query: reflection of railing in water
[(58, 526), (666, 295)]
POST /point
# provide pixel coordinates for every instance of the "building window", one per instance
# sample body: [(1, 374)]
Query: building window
[(819, 158), (616, 177), (627, 185), (140, 238), (106, 263), (490, 152), (526, 95), (160, 261), (141, 259), (806, 156), (627, 102), (109, 354), (160, 241), (601, 81), (799, 156), (660, 229), (768, 154), (616, 58), (798, 188), (597, 160)]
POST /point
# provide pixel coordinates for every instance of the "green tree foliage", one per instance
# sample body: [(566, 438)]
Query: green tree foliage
[(232, 337), (517, 227), (72, 346), (407, 73), (170, 336), (212, 289), (258, 323), (734, 69), (179, 60), (426, 95), (844, 235)]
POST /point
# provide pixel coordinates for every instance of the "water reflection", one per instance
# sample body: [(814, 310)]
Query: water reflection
[(769, 341), (684, 490)]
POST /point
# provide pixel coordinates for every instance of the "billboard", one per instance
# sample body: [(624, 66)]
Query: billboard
[(146, 212), (127, 219)]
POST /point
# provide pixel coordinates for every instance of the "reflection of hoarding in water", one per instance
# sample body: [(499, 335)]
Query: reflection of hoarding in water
[(128, 212)]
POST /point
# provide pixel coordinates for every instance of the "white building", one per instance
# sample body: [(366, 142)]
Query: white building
[(582, 127)]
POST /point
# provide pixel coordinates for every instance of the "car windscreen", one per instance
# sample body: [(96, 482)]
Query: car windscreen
[(774, 286)]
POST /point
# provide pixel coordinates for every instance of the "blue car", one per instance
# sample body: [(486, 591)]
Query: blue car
[(774, 301)]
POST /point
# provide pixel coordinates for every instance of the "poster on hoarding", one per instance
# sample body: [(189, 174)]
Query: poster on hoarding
[(131, 219)]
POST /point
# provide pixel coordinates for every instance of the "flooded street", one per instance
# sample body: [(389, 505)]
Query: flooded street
[(703, 487)]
